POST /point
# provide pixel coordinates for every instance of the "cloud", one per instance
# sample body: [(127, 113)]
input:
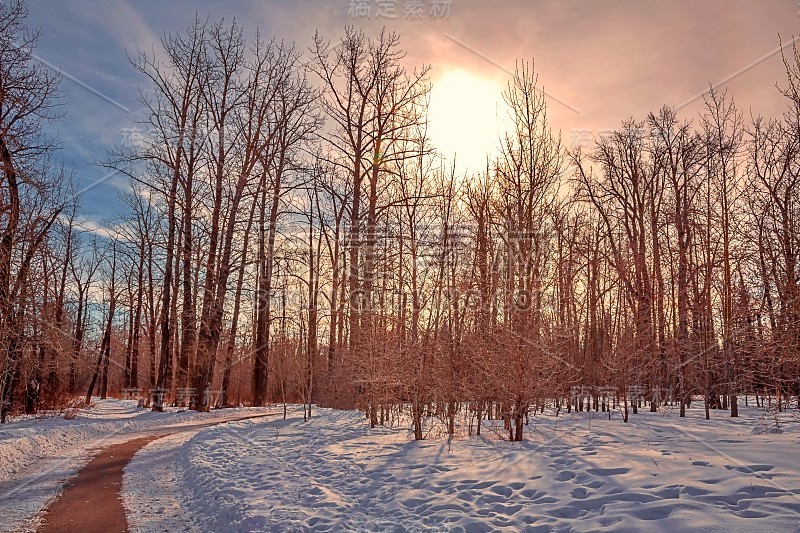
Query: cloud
[(105, 231), (611, 60)]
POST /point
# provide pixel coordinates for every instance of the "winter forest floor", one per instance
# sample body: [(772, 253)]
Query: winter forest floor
[(574, 472)]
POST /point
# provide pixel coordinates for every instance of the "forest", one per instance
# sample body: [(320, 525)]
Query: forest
[(292, 234)]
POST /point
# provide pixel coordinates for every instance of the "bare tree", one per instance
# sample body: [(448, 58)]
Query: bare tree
[(176, 84), (29, 205)]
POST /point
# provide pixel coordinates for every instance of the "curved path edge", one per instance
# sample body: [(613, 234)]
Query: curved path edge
[(91, 501)]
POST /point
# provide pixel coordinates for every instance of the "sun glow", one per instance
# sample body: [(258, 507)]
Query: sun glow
[(466, 118)]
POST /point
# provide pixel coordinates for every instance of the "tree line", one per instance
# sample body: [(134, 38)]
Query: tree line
[(293, 235)]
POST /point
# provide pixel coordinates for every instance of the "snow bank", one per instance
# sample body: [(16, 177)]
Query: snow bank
[(579, 472), (25, 442)]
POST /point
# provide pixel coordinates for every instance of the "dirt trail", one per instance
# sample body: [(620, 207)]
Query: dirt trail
[(92, 500)]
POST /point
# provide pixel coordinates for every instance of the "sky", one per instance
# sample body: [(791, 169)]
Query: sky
[(598, 61)]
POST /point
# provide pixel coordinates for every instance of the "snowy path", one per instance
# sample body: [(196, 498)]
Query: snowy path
[(38, 456)]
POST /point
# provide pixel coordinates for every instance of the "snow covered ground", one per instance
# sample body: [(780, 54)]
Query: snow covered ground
[(38, 455), (153, 471), (577, 472)]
